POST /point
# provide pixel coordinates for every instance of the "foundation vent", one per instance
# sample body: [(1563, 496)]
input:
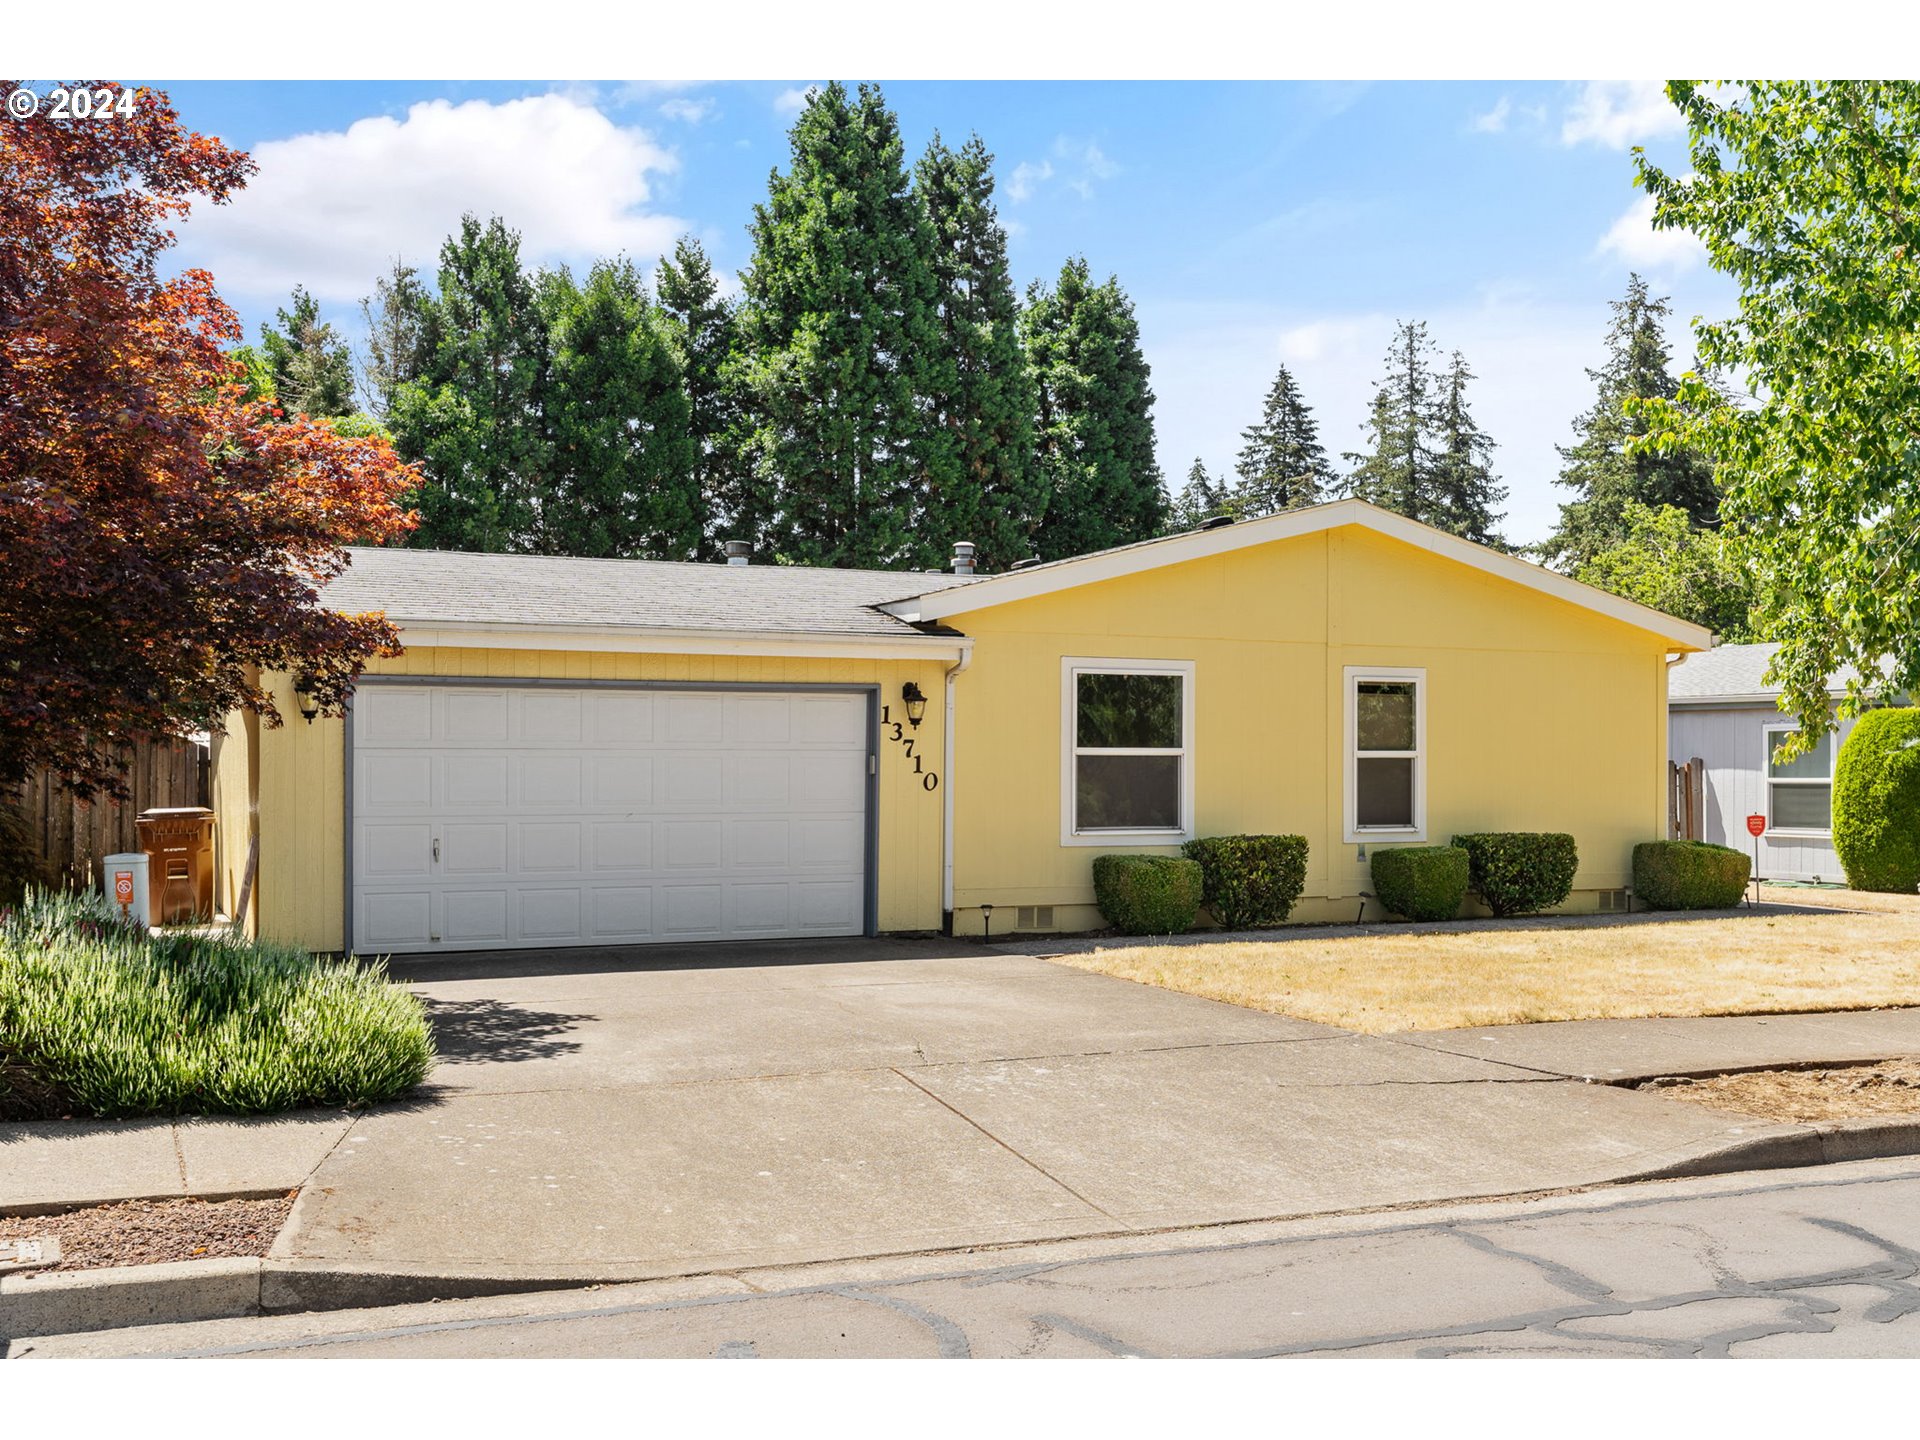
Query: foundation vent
[(1612, 902), (1036, 917)]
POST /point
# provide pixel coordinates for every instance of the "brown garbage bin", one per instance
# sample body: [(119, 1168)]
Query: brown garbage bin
[(179, 846)]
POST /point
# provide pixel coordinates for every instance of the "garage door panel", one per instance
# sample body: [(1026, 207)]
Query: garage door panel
[(579, 816), (550, 782)]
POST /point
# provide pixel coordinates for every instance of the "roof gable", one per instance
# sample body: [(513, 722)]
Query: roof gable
[(1037, 580)]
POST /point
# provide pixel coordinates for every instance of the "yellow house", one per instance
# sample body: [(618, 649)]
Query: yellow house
[(610, 752)]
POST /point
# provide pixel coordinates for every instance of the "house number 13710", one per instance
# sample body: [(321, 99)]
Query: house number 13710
[(929, 780)]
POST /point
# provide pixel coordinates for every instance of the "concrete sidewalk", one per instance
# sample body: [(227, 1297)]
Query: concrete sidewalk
[(622, 1121)]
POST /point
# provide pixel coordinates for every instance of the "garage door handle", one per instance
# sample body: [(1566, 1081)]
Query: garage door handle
[(436, 852)]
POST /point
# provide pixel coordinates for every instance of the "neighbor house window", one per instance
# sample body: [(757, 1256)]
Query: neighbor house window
[(1386, 780), (1128, 750), (1800, 791)]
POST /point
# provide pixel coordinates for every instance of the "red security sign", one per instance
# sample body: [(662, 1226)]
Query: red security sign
[(123, 887), (1756, 825)]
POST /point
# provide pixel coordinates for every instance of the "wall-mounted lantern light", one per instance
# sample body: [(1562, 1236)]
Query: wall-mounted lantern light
[(916, 703), (303, 692)]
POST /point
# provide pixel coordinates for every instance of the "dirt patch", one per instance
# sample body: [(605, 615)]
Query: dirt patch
[(1839, 1092), (151, 1232)]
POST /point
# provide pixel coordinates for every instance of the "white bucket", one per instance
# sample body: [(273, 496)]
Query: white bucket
[(123, 879)]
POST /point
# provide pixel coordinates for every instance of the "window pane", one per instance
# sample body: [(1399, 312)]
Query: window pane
[(1816, 764), (1127, 792), (1383, 792), (1803, 807), (1384, 715), (1130, 712)]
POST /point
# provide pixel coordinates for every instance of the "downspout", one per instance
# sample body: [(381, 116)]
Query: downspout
[(946, 791)]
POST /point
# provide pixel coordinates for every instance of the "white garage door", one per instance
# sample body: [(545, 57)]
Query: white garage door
[(491, 817)]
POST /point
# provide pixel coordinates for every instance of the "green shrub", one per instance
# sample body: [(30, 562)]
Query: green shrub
[(1688, 875), (1250, 880), (1519, 872), (100, 1018), (1147, 894), (1421, 882), (1876, 802)]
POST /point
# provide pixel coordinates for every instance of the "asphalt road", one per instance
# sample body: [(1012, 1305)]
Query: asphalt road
[(1817, 1262)]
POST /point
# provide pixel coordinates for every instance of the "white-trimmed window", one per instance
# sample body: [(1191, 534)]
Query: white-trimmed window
[(1799, 791), (1126, 764), (1386, 754)]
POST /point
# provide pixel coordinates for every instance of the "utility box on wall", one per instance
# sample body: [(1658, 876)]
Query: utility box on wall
[(179, 848)]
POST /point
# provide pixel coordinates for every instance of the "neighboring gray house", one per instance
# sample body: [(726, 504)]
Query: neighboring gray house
[(1720, 710)]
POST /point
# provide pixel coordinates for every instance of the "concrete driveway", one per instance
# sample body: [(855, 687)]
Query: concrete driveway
[(630, 1114)]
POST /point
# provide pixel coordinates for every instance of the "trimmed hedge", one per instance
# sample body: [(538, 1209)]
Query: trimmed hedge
[(1519, 872), (1421, 882), (1688, 875), (1147, 894), (1876, 802), (1250, 880)]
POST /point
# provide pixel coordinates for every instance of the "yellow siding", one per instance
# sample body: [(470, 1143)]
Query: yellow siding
[(302, 810), (1541, 715)]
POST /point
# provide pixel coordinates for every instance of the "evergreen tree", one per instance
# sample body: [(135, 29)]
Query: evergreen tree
[(1602, 465), (1201, 498), (841, 335), (705, 333), (1398, 469), (395, 318), (473, 417), (997, 492), (1094, 421), (619, 473), (1465, 489), (1282, 464), (311, 367)]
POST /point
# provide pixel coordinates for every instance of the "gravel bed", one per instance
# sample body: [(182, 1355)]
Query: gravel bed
[(1836, 1092), (151, 1232)]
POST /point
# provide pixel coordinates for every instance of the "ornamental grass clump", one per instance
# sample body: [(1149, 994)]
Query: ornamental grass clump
[(100, 1018)]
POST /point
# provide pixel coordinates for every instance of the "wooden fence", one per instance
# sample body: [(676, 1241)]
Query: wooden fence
[(1687, 799), (73, 835)]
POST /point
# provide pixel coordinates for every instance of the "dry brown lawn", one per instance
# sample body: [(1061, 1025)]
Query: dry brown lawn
[(1753, 965), (1891, 904)]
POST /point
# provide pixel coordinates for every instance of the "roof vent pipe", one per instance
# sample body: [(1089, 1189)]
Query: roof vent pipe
[(963, 557), (738, 552)]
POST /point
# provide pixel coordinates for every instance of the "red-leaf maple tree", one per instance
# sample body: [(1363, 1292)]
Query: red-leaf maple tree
[(163, 540)]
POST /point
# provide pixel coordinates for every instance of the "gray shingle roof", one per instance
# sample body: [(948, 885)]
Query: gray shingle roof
[(443, 587), (1729, 671)]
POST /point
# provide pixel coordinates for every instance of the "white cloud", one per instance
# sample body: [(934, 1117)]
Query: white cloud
[(1633, 239), (1081, 162), (1494, 120), (689, 112), (792, 102), (1619, 113), (1027, 177), (330, 210)]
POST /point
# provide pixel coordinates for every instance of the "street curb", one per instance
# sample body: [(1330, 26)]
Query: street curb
[(78, 1301)]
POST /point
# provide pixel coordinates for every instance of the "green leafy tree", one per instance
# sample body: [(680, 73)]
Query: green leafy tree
[(1094, 421), (1666, 561), (311, 366), (1201, 498), (256, 376), (997, 492), (704, 330), (1604, 465), (472, 419), (1807, 193), (619, 472), (844, 356), (1465, 489), (1282, 462), (395, 348), (1397, 469)]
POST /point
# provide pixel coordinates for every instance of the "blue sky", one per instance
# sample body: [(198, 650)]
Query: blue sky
[(1251, 223)]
